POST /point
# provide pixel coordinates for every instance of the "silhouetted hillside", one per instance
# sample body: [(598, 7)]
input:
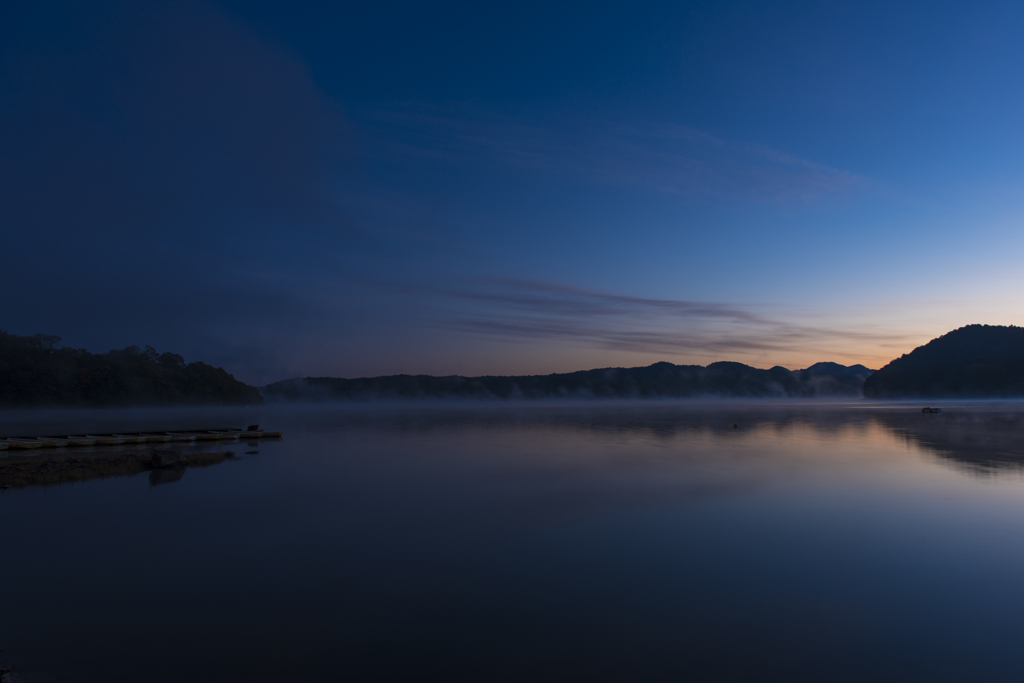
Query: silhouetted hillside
[(35, 372), (661, 380), (976, 361)]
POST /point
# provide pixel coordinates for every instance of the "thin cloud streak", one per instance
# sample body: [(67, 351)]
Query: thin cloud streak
[(518, 309), (674, 160), (561, 299)]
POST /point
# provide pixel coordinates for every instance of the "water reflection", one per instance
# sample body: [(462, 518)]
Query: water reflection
[(635, 541), (979, 438), (166, 476)]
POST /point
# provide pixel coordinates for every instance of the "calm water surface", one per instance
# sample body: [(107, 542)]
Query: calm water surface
[(649, 541)]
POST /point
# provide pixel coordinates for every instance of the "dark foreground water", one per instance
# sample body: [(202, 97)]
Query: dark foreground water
[(624, 542)]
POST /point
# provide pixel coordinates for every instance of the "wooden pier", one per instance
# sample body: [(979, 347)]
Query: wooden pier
[(119, 438)]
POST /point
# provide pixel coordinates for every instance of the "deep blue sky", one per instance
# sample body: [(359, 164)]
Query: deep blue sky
[(370, 188)]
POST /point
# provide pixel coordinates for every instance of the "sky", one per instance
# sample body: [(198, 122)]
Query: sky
[(356, 189)]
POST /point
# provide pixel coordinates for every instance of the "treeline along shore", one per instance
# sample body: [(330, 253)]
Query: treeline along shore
[(35, 372), (661, 380), (976, 361)]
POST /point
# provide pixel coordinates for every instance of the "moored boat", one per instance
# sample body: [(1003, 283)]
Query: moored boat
[(131, 438), (154, 436), (106, 439), (81, 440), (181, 436), (25, 443), (208, 436), (51, 441)]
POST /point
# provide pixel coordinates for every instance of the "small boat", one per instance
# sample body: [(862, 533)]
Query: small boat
[(25, 443), (153, 436), (248, 433), (180, 436), (106, 439), (226, 434), (4, 445), (931, 411), (131, 438), (208, 436), (273, 435), (81, 440), (52, 441)]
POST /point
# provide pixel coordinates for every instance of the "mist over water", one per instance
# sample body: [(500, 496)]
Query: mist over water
[(554, 541)]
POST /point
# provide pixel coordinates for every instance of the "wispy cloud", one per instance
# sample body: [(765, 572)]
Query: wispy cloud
[(518, 309), (565, 300), (660, 158)]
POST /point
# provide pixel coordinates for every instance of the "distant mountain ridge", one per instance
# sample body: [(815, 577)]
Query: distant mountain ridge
[(660, 380), (975, 361)]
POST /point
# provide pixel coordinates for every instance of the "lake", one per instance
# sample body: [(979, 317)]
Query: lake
[(646, 541)]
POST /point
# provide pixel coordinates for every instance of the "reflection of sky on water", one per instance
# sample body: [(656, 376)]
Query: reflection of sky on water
[(542, 542)]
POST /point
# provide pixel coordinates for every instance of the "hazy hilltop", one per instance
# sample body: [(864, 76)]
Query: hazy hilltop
[(34, 371), (976, 361), (661, 380)]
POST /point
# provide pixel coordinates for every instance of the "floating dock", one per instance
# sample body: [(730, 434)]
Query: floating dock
[(118, 438)]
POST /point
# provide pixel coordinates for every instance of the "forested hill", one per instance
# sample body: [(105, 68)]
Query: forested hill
[(35, 371), (976, 361), (661, 380)]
